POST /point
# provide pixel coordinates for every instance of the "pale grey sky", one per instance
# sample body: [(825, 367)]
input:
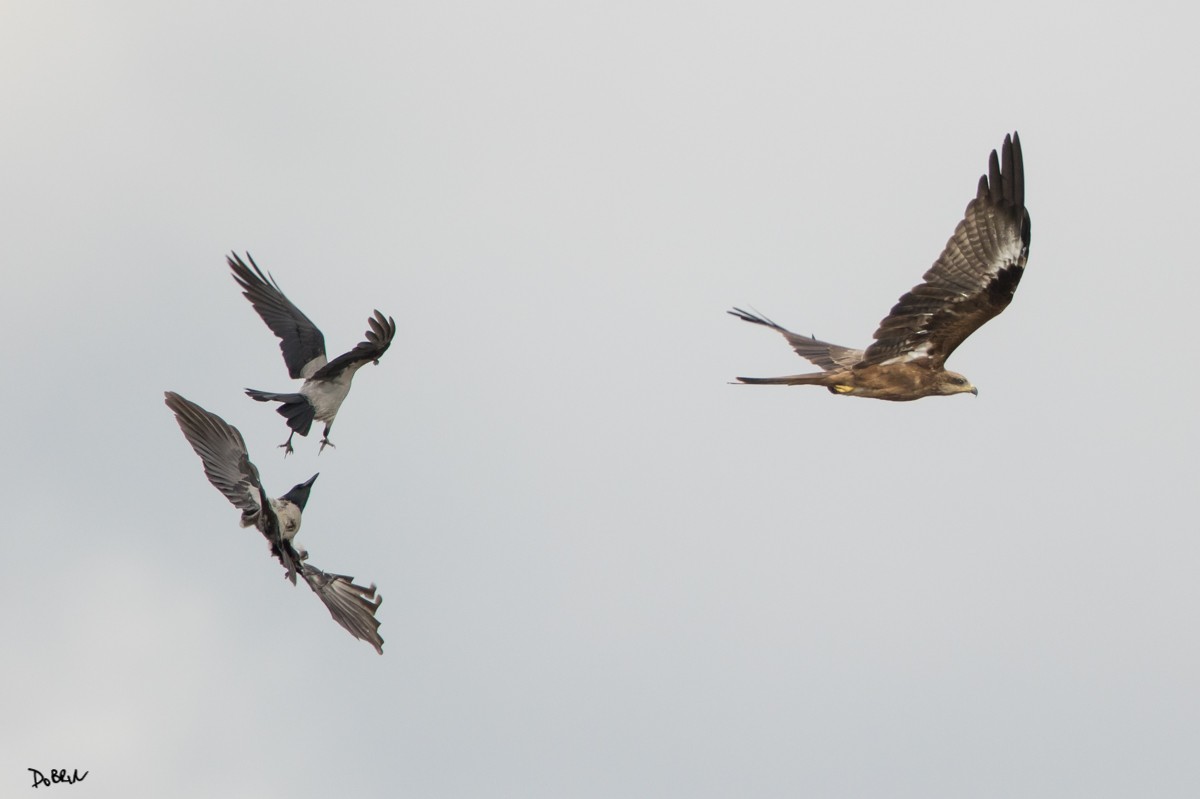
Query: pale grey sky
[(606, 571)]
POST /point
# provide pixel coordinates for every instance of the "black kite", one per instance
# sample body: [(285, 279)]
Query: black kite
[(972, 280)]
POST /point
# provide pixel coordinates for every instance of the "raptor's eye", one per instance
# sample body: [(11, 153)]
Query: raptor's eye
[(958, 381)]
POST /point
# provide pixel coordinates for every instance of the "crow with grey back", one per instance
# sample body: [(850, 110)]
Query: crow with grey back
[(326, 383), (227, 466), (972, 281)]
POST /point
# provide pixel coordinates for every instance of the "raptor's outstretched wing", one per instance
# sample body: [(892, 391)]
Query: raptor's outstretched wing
[(975, 276), (829, 357)]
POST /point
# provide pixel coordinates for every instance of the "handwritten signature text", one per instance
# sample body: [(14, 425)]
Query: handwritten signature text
[(57, 775)]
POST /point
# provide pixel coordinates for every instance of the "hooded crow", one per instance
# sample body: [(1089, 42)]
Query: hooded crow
[(326, 383), (227, 466)]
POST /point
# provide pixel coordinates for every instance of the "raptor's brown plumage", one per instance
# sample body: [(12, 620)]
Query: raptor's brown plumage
[(971, 281)]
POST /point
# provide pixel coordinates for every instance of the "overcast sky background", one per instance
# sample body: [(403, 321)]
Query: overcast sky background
[(606, 571)]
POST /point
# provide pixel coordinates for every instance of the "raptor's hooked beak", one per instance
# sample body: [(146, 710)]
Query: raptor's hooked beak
[(975, 391)]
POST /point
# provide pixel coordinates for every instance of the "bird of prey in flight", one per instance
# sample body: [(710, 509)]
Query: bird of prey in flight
[(228, 467), (971, 281), (326, 383)]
